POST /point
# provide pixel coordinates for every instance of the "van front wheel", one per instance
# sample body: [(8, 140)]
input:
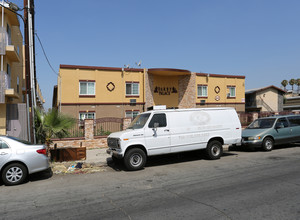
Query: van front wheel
[(135, 159), (214, 150), (268, 144)]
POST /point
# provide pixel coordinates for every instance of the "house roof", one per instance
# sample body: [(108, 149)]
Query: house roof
[(264, 88)]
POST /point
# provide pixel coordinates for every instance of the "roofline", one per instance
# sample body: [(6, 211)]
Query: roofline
[(65, 66), (264, 88), (169, 69), (296, 97), (220, 75)]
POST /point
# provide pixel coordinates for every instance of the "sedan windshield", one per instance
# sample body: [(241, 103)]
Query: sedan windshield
[(262, 123), (139, 121)]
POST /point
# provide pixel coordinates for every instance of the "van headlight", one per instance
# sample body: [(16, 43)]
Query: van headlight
[(255, 138), (114, 142)]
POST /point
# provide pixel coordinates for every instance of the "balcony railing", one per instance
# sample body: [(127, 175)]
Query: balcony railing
[(3, 40), (7, 47)]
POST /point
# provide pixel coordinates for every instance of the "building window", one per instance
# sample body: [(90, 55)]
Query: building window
[(132, 89), (8, 31), (18, 84), (86, 115), (131, 114), (8, 70), (202, 91), (87, 88), (8, 78), (232, 92)]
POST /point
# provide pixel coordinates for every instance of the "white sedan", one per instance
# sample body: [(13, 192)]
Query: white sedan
[(19, 158)]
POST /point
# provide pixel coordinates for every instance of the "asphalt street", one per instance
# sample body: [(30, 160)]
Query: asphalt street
[(241, 185)]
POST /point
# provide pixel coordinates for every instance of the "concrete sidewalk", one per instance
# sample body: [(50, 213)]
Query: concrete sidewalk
[(96, 161), (98, 156)]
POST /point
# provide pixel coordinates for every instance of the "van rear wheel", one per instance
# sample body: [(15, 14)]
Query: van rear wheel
[(214, 150), (135, 159)]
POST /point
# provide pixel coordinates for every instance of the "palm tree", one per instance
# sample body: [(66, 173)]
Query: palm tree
[(51, 124), (298, 84), (284, 83), (292, 83)]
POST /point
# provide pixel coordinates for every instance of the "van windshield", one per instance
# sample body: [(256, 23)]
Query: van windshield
[(139, 121), (262, 123)]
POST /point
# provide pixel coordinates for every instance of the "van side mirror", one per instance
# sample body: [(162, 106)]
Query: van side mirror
[(155, 126)]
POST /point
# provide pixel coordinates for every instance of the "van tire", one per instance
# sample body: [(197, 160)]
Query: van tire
[(268, 144), (214, 150), (135, 159)]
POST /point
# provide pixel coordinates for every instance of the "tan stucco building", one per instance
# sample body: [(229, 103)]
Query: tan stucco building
[(96, 92), (12, 82), (266, 99)]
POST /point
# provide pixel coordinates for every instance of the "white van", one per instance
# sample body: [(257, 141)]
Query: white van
[(164, 131)]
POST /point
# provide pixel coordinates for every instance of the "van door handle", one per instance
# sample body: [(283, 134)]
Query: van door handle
[(3, 153), (167, 130)]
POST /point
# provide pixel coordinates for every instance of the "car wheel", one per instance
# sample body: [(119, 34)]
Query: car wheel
[(268, 144), (214, 150), (135, 159), (14, 174)]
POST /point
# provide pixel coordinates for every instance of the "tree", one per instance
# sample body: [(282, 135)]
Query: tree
[(284, 83), (51, 124), (292, 83), (298, 84)]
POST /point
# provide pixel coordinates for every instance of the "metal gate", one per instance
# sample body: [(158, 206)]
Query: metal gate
[(16, 121)]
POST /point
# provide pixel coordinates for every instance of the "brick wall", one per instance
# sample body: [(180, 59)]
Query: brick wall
[(187, 91), (99, 142)]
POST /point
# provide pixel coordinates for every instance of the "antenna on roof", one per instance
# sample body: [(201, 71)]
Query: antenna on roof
[(138, 63)]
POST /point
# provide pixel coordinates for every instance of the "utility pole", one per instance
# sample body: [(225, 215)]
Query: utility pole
[(30, 64)]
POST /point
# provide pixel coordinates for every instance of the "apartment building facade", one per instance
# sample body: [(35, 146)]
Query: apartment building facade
[(96, 92), (266, 99), (12, 81)]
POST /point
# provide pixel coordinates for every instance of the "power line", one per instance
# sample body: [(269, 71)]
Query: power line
[(45, 54)]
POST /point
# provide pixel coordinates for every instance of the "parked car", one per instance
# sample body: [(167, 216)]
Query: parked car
[(19, 158), (164, 131), (270, 131)]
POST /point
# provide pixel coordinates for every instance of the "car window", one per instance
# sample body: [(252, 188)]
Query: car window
[(294, 120), (160, 119), (139, 121), (3, 145), (282, 122), (262, 123)]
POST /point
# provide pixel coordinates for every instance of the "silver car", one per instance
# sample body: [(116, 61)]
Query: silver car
[(19, 158)]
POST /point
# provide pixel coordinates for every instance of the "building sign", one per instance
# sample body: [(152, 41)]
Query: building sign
[(165, 90)]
